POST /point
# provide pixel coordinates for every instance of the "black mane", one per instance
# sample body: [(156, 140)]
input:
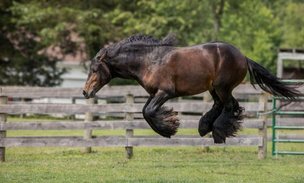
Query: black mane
[(136, 42), (147, 40)]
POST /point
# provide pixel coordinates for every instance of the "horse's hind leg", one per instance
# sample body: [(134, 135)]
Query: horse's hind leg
[(227, 124), (206, 121)]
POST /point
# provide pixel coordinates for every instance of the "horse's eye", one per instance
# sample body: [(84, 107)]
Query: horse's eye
[(94, 69)]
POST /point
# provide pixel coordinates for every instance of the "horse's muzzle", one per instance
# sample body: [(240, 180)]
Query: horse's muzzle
[(89, 94)]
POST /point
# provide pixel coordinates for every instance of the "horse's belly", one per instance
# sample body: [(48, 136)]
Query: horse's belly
[(191, 84), (193, 70)]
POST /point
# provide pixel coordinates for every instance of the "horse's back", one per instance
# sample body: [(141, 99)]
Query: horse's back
[(193, 69), (201, 67)]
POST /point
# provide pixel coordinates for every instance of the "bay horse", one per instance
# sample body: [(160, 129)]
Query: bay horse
[(166, 71)]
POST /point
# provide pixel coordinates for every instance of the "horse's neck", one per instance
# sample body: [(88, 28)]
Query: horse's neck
[(126, 69), (135, 69)]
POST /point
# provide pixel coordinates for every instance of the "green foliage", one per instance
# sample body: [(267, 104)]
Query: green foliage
[(56, 23), (20, 58), (189, 19), (255, 27), (251, 27), (292, 25)]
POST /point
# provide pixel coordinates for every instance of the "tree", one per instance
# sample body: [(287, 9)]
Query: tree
[(21, 63), (251, 27), (217, 12), (292, 25), (255, 27)]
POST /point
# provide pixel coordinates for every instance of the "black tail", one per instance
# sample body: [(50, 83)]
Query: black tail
[(269, 82)]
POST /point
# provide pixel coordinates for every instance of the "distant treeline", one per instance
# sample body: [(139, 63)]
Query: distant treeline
[(28, 27)]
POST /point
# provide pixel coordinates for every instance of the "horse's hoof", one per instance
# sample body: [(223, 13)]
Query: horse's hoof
[(204, 129), (218, 135), (168, 126), (205, 125), (206, 121), (164, 121), (226, 125)]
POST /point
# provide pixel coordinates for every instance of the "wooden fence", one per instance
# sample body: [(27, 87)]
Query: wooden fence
[(131, 109)]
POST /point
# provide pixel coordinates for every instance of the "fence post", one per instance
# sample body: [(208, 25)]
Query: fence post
[(73, 116), (262, 152), (88, 118), (22, 115), (129, 132), (3, 100)]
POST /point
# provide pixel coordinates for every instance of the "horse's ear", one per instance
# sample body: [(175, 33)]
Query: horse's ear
[(170, 39), (103, 56)]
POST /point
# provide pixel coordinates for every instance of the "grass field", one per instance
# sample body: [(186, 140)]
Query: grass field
[(159, 164)]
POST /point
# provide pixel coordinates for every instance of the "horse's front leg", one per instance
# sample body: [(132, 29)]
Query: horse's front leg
[(161, 119)]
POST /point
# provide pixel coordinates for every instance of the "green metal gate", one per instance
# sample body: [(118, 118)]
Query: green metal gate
[(275, 127)]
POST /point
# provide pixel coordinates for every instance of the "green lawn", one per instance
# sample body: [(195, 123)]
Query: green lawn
[(158, 164)]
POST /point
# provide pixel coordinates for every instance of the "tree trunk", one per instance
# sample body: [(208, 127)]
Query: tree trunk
[(217, 12)]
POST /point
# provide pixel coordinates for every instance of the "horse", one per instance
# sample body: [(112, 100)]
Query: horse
[(166, 71)]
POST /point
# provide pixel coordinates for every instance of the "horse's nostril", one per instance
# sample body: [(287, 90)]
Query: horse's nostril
[(84, 92)]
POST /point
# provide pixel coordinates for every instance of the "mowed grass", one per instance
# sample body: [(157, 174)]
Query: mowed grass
[(149, 164)]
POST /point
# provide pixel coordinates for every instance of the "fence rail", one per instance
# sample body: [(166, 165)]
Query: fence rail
[(110, 141), (105, 125), (129, 94), (79, 108)]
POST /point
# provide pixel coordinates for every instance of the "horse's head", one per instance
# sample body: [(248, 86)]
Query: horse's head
[(123, 58), (99, 75)]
